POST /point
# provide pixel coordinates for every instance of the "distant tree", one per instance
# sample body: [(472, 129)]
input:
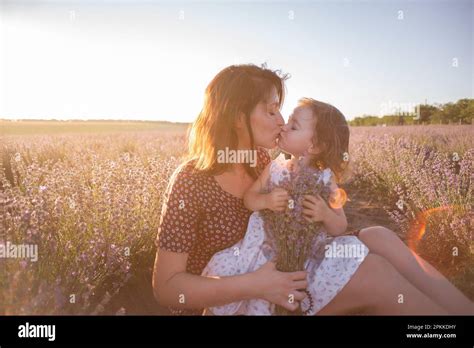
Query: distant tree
[(426, 112), (460, 112), (466, 114), (401, 120), (452, 112), (438, 117)]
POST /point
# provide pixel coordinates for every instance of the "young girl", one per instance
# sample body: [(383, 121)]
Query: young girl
[(316, 135)]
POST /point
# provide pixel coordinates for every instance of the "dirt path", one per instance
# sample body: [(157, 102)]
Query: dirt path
[(363, 211)]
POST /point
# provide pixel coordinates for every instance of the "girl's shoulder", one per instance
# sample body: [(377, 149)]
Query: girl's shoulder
[(326, 175), (322, 175), (281, 161), (279, 170)]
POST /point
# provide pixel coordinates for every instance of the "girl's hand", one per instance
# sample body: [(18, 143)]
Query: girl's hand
[(280, 288), (315, 209), (277, 200)]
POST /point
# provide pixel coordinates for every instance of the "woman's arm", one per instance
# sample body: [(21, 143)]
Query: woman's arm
[(173, 286), (255, 200)]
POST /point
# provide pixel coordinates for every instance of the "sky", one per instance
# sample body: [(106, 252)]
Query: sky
[(152, 60)]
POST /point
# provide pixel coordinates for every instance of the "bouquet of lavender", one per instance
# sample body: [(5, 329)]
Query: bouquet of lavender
[(291, 234)]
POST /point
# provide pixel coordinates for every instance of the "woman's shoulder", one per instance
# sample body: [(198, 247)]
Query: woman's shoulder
[(263, 155), (187, 175), (187, 172), (263, 159)]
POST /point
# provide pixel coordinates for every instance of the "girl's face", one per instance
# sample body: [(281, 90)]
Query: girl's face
[(296, 137), (266, 122)]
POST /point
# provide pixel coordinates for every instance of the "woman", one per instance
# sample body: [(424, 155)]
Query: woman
[(204, 213)]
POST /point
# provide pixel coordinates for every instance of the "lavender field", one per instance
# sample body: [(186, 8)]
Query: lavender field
[(91, 203), (423, 177)]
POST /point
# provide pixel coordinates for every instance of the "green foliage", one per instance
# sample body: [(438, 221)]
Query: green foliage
[(461, 112)]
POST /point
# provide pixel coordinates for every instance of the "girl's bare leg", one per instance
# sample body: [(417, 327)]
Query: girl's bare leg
[(420, 273), (375, 288)]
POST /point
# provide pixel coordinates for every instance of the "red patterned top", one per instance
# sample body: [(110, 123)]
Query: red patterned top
[(200, 218)]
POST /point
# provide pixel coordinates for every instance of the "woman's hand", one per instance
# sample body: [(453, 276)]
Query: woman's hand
[(280, 288), (315, 209), (277, 200)]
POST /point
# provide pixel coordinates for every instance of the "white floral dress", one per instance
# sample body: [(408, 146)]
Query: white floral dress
[(331, 265)]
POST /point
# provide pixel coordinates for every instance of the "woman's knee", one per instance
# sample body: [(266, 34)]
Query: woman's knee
[(380, 278), (366, 288), (377, 235), (376, 266)]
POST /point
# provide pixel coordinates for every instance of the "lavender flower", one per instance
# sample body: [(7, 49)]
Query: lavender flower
[(290, 232)]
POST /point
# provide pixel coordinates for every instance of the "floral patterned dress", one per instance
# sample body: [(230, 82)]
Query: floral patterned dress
[(199, 218), (332, 262)]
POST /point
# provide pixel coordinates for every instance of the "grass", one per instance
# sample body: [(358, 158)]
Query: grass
[(33, 127)]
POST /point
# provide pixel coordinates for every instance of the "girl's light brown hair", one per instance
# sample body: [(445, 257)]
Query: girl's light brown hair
[(331, 135), (235, 89)]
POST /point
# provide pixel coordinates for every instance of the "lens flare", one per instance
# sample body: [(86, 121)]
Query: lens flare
[(338, 199), (418, 228)]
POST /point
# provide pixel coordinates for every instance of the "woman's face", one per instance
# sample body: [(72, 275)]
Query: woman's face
[(266, 122)]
